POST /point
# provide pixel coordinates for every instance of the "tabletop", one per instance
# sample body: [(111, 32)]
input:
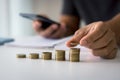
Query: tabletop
[(89, 68)]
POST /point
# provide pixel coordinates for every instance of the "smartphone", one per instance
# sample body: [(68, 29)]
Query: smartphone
[(46, 22)]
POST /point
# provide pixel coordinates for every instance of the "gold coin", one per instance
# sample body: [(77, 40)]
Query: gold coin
[(74, 44)]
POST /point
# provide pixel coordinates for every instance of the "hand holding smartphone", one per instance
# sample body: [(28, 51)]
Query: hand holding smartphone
[(46, 22)]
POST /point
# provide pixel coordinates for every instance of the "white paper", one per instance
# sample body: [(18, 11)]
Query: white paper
[(37, 42)]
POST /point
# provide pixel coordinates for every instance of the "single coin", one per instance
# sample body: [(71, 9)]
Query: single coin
[(74, 44)]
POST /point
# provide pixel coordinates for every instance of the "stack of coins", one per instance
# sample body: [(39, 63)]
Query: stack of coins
[(47, 55), (74, 54), (60, 55), (34, 56), (21, 55)]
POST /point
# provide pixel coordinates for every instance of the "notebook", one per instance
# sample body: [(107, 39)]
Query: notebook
[(37, 42)]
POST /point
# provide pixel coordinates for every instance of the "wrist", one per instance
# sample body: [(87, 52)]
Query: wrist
[(115, 27), (69, 29)]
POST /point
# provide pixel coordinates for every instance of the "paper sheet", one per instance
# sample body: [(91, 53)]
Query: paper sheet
[(37, 42)]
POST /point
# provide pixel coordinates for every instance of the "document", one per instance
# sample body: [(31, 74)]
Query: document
[(37, 42)]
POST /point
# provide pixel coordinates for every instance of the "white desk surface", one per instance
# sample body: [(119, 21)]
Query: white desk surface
[(90, 67)]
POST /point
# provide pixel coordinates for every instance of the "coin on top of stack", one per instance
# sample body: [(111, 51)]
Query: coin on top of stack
[(21, 55), (74, 54), (74, 44), (60, 55), (34, 56), (47, 55)]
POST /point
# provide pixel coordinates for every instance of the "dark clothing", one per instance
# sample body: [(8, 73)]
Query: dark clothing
[(92, 10)]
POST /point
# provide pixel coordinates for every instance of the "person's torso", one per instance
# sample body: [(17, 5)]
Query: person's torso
[(96, 10)]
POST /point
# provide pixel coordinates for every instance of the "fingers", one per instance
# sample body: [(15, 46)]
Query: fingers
[(60, 32), (53, 31), (87, 35), (37, 26), (48, 32), (107, 51), (99, 38), (71, 43), (77, 37), (111, 55), (102, 41), (95, 32)]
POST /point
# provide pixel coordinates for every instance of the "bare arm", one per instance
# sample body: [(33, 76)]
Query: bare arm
[(72, 23), (114, 24)]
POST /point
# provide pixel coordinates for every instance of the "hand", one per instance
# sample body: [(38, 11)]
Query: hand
[(53, 31), (98, 37)]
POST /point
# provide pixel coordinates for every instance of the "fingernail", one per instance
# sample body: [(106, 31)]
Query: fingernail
[(84, 43)]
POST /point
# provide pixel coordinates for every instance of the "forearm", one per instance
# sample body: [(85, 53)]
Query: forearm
[(114, 24), (72, 23)]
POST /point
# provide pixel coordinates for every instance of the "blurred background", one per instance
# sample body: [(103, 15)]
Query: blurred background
[(12, 25)]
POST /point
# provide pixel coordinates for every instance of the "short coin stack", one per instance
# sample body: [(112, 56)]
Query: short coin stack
[(46, 55), (60, 55), (21, 55), (34, 56), (74, 54)]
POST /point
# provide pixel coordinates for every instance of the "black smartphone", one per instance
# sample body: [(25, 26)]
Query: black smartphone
[(46, 22)]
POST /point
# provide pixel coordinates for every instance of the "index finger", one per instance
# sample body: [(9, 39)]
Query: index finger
[(48, 32), (76, 38), (96, 32)]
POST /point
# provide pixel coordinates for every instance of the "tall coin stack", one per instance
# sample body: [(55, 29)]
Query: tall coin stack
[(74, 54), (47, 55), (60, 55)]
